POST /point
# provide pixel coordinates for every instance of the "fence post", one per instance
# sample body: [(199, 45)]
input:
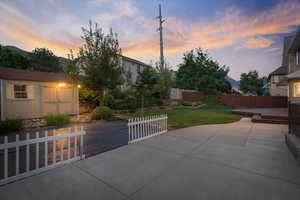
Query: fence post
[(5, 158), (46, 149), (54, 147), (17, 155), (81, 143), (27, 153), (37, 149)]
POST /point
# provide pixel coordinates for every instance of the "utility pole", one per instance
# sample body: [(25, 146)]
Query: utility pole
[(160, 29)]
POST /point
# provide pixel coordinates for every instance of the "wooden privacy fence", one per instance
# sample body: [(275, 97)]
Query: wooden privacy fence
[(145, 127), (64, 146), (239, 101)]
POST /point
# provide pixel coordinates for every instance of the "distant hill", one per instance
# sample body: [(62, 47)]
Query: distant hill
[(62, 60), (16, 49), (233, 82)]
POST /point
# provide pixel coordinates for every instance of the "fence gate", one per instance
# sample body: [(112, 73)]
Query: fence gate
[(144, 127), (63, 146)]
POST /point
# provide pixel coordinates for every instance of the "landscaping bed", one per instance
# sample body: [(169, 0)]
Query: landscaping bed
[(181, 117)]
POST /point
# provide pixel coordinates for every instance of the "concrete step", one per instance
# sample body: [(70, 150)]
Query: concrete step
[(260, 119), (274, 117)]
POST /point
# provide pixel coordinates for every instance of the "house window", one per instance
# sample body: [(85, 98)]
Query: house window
[(20, 91), (296, 89), (276, 79), (297, 57), (138, 68)]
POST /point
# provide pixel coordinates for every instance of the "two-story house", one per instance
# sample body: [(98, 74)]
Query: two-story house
[(133, 67), (276, 81), (293, 77)]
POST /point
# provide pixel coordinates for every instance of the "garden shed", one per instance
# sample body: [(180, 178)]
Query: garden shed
[(27, 94)]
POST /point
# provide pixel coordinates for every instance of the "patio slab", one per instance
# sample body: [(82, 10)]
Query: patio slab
[(197, 179), (192, 163), (67, 182), (129, 168)]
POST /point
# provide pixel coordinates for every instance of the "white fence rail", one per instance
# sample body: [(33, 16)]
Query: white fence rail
[(145, 127), (60, 148)]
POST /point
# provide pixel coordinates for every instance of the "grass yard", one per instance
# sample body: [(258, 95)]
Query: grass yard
[(184, 117)]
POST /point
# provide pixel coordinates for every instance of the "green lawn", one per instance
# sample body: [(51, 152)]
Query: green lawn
[(184, 117)]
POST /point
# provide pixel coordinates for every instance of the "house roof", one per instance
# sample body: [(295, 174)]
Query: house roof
[(282, 70), (295, 43), (294, 75), (29, 75), (135, 61), (286, 45)]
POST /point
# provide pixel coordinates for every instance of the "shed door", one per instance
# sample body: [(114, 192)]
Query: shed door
[(49, 100)]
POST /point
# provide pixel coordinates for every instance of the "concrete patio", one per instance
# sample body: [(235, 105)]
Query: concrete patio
[(241, 160)]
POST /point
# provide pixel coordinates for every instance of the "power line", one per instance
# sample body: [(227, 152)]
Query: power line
[(160, 29)]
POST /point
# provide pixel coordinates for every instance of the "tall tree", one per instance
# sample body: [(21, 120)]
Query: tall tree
[(12, 59), (165, 80), (199, 72), (145, 83), (72, 67), (251, 83), (44, 60), (100, 59)]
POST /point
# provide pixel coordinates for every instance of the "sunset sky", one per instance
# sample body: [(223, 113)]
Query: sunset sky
[(242, 34)]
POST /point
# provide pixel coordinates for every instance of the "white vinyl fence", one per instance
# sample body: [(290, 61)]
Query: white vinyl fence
[(42, 153), (145, 127)]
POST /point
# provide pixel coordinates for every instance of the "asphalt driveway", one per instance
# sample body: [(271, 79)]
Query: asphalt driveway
[(100, 137), (241, 160)]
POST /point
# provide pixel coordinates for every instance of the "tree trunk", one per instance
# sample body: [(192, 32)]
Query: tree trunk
[(142, 108)]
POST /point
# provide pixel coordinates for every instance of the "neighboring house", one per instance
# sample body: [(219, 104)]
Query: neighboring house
[(133, 67), (293, 60), (29, 94), (276, 84)]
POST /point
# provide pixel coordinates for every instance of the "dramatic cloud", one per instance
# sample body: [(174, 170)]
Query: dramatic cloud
[(229, 30), (258, 43)]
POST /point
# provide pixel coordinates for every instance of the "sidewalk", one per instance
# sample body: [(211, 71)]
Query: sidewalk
[(241, 160)]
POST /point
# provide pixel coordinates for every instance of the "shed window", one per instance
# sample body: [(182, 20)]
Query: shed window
[(297, 90), (20, 91)]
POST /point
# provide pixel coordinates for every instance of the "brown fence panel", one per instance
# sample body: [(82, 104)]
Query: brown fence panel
[(254, 101), (192, 96), (241, 101)]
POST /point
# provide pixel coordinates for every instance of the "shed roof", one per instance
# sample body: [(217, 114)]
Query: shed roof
[(30, 75)]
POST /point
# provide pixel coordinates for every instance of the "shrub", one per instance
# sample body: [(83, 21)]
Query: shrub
[(186, 103), (57, 119), (198, 103), (118, 93), (128, 104), (211, 100), (108, 100), (11, 125), (102, 112)]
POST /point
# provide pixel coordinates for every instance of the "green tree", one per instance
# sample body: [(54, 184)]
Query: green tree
[(100, 59), (251, 83), (72, 67), (165, 81), (145, 83), (45, 61), (199, 72), (12, 59)]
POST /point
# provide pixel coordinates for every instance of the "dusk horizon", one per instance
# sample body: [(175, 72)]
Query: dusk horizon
[(244, 35)]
